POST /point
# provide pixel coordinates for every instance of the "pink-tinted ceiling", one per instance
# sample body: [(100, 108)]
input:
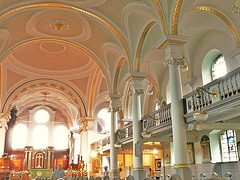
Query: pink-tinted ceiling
[(52, 56)]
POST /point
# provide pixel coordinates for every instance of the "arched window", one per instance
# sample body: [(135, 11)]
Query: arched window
[(61, 137), (41, 116), (229, 146), (40, 137), (219, 67), (105, 116), (19, 137)]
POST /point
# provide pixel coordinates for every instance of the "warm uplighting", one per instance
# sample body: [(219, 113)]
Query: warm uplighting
[(145, 134), (155, 151), (117, 145), (200, 116), (93, 154)]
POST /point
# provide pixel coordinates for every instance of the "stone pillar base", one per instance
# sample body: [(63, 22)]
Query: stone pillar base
[(184, 173), (139, 174), (114, 174)]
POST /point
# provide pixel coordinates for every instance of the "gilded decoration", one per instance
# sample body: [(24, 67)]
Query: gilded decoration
[(161, 15), (140, 45), (175, 17), (224, 18), (44, 5), (120, 63), (59, 25), (48, 85), (167, 42)]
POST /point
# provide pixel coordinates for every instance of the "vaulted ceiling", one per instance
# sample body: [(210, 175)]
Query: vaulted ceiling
[(71, 54)]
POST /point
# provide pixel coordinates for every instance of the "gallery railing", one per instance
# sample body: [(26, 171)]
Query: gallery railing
[(226, 87), (153, 122)]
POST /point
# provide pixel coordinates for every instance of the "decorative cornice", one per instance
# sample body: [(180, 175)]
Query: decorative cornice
[(87, 13), (161, 15), (224, 18), (172, 40), (115, 83), (175, 16), (140, 45), (46, 83)]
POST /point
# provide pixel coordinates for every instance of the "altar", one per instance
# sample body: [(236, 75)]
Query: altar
[(40, 173)]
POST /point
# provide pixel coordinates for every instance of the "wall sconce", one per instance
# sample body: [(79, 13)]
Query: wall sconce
[(201, 115), (93, 154), (183, 64), (145, 133), (236, 7), (117, 144)]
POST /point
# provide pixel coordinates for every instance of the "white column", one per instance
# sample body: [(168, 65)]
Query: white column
[(138, 170), (114, 173), (84, 147), (173, 54), (85, 126), (3, 127), (71, 147)]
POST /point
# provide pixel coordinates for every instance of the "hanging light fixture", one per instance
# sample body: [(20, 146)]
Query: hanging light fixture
[(145, 133), (117, 144), (201, 115)]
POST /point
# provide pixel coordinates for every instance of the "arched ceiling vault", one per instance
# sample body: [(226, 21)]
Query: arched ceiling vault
[(88, 47)]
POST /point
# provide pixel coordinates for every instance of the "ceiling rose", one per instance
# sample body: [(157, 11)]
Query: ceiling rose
[(59, 25)]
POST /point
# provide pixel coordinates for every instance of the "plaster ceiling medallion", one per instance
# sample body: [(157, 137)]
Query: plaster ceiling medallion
[(52, 47), (45, 95), (59, 25)]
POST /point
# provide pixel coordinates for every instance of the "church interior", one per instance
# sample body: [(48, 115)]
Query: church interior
[(124, 89)]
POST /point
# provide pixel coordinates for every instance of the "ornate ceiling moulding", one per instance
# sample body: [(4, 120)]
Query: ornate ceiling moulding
[(119, 66), (82, 11), (224, 18), (161, 15), (175, 17), (59, 25), (45, 83), (140, 45)]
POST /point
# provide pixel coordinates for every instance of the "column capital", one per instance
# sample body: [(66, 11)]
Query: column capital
[(4, 119), (114, 100), (136, 78), (179, 61), (172, 40), (84, 124), (136, 91)]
